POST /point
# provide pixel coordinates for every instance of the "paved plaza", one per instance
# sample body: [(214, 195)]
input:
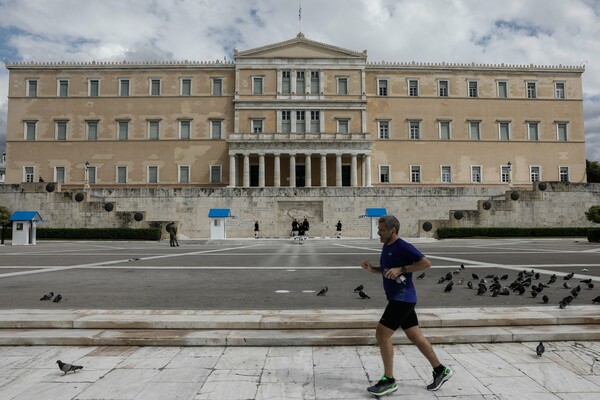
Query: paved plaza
[(279, 275)]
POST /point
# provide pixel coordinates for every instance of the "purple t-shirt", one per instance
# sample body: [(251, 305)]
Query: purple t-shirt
[(399, 254)]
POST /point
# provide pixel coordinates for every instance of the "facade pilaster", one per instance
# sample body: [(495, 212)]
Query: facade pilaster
[(353, 171), (292, 170), (232, 171), (246, 170), (338, 170), (261, 170), (277, 171), (323, 170), (307, 171)]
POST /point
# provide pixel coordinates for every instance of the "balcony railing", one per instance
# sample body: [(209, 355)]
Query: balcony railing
[(299, 136)]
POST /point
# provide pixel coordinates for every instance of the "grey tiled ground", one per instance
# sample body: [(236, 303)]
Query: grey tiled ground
[(568, 370)]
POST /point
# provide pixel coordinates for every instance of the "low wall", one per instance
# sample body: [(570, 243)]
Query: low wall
[(559, 204)]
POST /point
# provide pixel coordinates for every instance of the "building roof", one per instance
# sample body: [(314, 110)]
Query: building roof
[(375, 212), (219, 213), (26, 216)]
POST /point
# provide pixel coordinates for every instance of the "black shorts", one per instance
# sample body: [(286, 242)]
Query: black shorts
[(399, 314)]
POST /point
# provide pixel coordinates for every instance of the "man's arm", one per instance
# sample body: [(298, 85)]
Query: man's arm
[(417, 266), (367, 266)]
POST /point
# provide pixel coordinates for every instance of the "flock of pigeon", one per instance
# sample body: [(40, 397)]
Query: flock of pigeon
[(359, 289), (525, 279), (49, 296)]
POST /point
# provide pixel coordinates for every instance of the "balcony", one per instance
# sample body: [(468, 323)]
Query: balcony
[(278, 137)]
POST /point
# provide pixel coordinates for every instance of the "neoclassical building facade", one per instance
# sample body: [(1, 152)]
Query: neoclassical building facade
[(298, 113)]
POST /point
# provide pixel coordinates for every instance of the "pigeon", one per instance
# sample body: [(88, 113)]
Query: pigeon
[(504, 277), (569, 276), (552, 279), (504, 292), (545, 299), (421, 276), (482, 289), (475, 276), (470, 285), (534, 293), (568, 299), (456, 272), (64, 367), (47, 296), (521, 290), (578, 288), (448, 276), (596, 300), (590, 285), (537, 275), (462, 266), (586, 281), (540, 349), (584, 270), (489, 276), (358, 288), (460, 281), (363, 295), (563, 303), (323, 291), (566, 285), (57, 298), (441, 280), (495, 293), (449, 287)]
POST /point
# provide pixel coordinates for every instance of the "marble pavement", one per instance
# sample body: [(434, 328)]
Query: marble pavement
[(568, 370)]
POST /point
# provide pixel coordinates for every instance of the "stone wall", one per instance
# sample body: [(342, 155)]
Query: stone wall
[(559, 204)]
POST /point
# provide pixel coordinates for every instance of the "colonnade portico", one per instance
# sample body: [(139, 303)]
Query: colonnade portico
[(304, 160)]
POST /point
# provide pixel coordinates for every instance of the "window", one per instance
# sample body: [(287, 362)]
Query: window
[(300, 83), (91, 174), (215, 174), (215, 129), (563, 174), (446, 174), (474, 131), (300, 121), (384, 129), (382, 87), (61, 130), (315, 121), (314, 82), (63, 88), (413, 87), (473, 89), (476, 174), (414, 130), (153, 130), (30, 130), (286, 121), (534, 173), (217, 86), (186, 87), (94, 87), (286, 82), (257, 125), (342, 126), (124, 87), (184, 174), (533, 130), (28, 174), (444, 130), (123, 127), (185, 129), (502, 87), (154, 87), (504, 130), (32, 87), (91, 130), (505, 174), (561, 131), (342, 85), (152, 174), (415, 173), (121, 174), (531, 90), (384, 174), (443, 88), (59, 174), (257, 85), (559, 90)]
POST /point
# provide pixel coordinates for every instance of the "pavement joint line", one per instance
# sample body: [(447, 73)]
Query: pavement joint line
[(104, 263)]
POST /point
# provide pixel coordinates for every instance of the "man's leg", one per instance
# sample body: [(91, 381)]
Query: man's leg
[(423, 344), (384, 339)]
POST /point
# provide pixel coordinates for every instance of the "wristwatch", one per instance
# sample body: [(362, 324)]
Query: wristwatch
[(403, 269)]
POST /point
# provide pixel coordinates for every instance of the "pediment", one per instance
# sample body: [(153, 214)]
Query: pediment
[(299, 47)]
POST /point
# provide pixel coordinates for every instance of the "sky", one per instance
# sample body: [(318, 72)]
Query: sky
[(547, 32)]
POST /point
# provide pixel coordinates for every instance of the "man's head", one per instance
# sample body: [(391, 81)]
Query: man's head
[(388, 229)]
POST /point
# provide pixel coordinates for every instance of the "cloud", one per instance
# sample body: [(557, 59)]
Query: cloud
[(549, 32)]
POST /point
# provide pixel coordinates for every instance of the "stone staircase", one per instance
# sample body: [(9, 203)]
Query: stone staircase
[(290, 327)]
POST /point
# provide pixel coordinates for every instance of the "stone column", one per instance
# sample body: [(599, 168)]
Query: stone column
[(338, 170), (292, 170), (307, 171), (261, 170), (353, 172), (246, 170), (367, 171), (232, 171), (323, 170), (277, 171)]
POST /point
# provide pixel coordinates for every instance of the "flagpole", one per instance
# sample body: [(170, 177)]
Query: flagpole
[(300, 14)]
